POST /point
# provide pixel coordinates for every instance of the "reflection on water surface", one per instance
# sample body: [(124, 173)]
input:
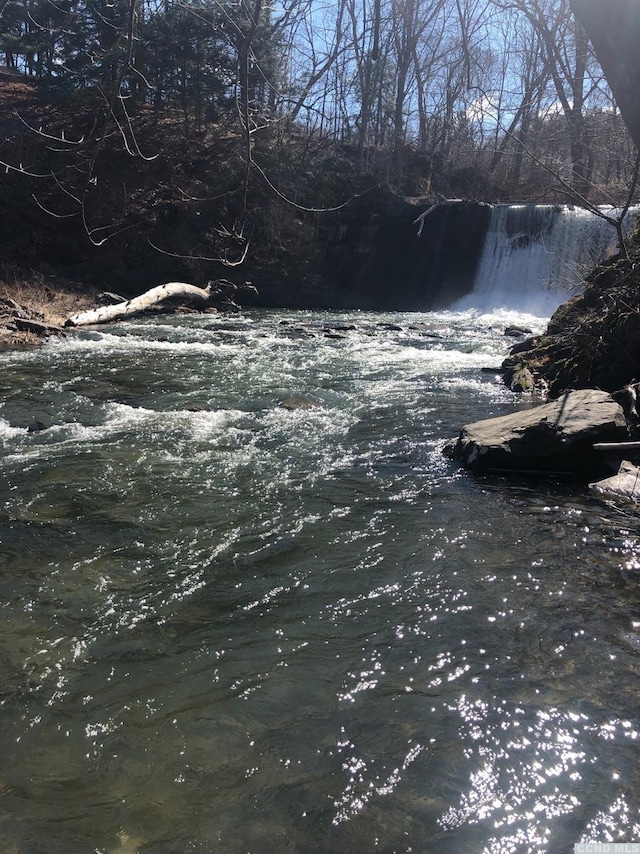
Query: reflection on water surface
[(247, 605)]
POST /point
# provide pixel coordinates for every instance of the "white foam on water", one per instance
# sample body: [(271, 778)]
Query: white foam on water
[(536, 256), (109, 343), (122, 421), (7, 432)]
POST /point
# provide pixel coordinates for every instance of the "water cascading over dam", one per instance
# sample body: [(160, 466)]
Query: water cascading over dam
[(466, 255), (536, 256)]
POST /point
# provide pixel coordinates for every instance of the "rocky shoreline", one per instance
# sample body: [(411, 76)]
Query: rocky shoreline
[(563, 436), (34, 306), (587, 366), (592, 341)]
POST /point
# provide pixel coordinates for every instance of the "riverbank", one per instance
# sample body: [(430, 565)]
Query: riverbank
[(41, 302), (592, 341)]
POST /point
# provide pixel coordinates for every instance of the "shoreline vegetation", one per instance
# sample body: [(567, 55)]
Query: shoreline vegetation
[(199, 207)]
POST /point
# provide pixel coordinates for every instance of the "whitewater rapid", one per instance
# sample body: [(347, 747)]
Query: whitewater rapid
[(248, 605)]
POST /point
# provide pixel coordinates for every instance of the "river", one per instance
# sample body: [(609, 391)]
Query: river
[(247, 605)]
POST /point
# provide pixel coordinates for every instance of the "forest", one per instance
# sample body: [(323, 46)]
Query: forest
[(209, 138)]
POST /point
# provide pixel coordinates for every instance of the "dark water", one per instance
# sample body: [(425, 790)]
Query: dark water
[(248, 606)]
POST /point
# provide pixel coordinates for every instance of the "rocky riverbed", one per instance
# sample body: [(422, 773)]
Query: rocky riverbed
[(592, 341)]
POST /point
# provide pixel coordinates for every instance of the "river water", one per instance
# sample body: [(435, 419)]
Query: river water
[(247, 605)]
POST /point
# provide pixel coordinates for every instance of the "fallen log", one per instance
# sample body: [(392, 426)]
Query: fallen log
[(112, 298), (24, 324), (616, 446), (141, 303)]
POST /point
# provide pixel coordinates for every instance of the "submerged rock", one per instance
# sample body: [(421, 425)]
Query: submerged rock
[(514, 331), (300, 401), (557, 436)]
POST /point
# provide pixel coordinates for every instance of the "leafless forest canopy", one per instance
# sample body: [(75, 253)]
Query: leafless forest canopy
[(509, 88), (148, 118)]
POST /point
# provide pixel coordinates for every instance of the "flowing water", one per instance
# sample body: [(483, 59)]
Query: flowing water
[(247, 605), (536, 256)]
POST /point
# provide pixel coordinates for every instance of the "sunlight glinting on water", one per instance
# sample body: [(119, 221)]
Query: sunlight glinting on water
[(248, 605)]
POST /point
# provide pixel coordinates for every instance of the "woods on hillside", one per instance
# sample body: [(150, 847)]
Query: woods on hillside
[(504, 86), (207, 131)]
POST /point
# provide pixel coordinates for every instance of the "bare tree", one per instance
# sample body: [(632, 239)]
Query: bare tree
[(565, 50), (614, 30)]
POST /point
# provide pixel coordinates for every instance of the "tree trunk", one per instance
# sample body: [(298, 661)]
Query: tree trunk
[(141, 303), (613, 27)]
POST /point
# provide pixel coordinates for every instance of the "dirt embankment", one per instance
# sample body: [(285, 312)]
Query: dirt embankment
[(33, 306)]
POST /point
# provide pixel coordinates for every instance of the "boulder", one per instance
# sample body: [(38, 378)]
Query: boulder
[(625, 484), (515, 331), (522, 380), (556, 436)]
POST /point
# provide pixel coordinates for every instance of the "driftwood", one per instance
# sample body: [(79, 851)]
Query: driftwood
[(617, 446), (112, 298), (141, 303), (24, 324), (11, 304), (16, 317)]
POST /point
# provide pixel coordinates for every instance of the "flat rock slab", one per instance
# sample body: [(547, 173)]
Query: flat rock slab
[(556, 436), (625, 484)]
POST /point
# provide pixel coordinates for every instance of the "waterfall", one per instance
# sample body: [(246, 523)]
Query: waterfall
[(536, 256)]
